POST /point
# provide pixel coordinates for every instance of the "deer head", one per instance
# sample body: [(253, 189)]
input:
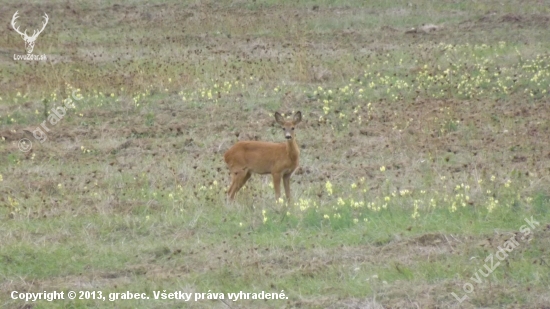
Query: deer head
[(29, 40)]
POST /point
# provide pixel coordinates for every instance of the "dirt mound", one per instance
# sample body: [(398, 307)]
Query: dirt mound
[(522, 20)]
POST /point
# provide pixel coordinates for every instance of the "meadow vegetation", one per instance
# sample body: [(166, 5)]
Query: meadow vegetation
[(421, 153)]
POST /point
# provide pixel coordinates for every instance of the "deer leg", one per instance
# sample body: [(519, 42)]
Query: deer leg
[(277, 184), (243, 180), (238, 180), (235, 179), (286, 183), (231, 190)]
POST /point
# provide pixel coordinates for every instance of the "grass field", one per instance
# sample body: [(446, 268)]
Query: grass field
[(424, 167)]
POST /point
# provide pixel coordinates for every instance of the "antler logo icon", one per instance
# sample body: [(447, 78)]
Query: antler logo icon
[(29, 40)]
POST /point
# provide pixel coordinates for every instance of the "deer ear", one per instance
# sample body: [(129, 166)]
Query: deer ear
[(297, 117), (279, 118)]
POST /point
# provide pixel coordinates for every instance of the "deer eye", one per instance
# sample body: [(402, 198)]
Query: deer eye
[(292, 128)]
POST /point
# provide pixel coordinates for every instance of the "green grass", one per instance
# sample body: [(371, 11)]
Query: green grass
[(421, 154)]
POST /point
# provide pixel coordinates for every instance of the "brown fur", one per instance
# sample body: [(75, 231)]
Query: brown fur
[(278, 159)]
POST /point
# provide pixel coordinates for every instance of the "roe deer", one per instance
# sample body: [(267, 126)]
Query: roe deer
[(277, 159)]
